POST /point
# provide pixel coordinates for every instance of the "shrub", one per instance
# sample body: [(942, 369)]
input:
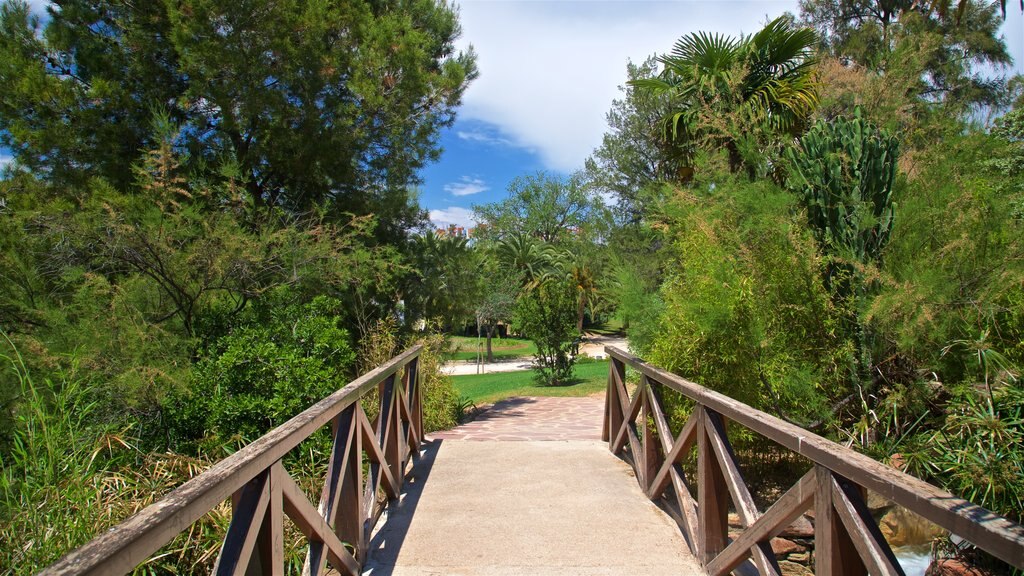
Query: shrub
[(547, 315), (278, 360)]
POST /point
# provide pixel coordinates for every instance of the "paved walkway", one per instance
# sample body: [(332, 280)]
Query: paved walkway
[(552, 502), (593, 346)]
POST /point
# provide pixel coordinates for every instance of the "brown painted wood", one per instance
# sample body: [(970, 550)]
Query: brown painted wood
[(998, 536), (320, 535), (834, 551), (651, 455), (712, 494), (247, 515), (867, 539), (671, 472), (627, 429), (121, 549), (780, 515), (378, 474), (270, 542), (763, 556)]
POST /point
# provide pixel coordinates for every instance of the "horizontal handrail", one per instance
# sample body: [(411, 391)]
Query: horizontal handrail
[(125, 546), (995, 534)]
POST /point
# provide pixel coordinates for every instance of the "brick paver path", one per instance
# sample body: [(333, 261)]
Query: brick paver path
[(534, 418)]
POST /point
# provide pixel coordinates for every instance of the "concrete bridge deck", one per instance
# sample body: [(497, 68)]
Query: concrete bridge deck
[(527, 489)]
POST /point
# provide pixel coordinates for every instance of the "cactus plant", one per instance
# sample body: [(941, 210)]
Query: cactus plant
[(844, 171)]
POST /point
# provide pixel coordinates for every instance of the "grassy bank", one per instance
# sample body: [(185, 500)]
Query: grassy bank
[(591, 377)]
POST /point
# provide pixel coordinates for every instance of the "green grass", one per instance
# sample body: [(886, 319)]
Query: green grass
[(503, 348), (610, 327), (591, 377)]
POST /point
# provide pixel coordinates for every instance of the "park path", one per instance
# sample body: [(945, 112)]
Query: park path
[(527, 488)]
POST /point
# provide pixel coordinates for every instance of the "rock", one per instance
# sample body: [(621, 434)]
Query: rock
[(734, 520), (803, 558), (781, 546), (801, 528), (950, 567), (794, 569), (903, 528)]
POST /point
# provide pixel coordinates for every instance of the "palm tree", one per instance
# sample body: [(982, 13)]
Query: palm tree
[(763, 81), (531, 259)]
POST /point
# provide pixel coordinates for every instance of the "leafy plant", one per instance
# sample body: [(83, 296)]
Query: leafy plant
[(547, 316)]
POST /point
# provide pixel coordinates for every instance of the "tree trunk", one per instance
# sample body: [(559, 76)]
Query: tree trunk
[(580, 308), (490, 332)]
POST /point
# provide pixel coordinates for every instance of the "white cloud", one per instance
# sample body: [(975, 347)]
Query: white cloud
[(549, 70), (483, 137), (5, 160), (466, 186), (454, 215)]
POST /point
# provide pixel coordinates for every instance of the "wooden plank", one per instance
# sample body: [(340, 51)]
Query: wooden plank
[(834, 553), (122, 548), (348, 519), (712, 505), (777, 518), (320, 535), (764, 557), (629, 412), (627, 430), (651, 458), (246, 522), (872, 547), (271, 539), (377, 458), (677, 451), (613, 415), (998, 536)]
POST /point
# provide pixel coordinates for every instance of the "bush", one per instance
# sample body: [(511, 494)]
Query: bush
[(746, 312), (277, 360), (547, 315)]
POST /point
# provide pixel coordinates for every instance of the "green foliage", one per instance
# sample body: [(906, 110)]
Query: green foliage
[(745, 309), (736, 94), (631, 158), (446, 280), (955, 49), (547, 316), (844, 171), (545, 207), (277, 359), (307, 116)]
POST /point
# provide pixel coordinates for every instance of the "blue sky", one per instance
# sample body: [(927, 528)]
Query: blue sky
[(549, 71)]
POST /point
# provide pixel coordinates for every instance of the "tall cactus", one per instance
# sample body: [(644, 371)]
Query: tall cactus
[(844, 171)]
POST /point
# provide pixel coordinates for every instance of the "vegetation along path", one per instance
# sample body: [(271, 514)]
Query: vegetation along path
[(525, 489)]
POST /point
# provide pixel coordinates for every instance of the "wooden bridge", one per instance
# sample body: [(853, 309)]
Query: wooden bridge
[(579, 509)]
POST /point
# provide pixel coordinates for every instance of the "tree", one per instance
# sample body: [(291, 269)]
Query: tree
[(332, 104), (545, 207), (725, 90), (631, 157), (954, 45), (445, 280)]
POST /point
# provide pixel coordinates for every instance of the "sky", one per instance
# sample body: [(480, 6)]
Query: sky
[(549, 71)]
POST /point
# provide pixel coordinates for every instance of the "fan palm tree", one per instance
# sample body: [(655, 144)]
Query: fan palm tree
[(763, 80), (522, 254)]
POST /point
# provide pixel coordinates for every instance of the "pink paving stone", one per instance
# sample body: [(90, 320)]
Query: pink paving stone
[(534, 418)]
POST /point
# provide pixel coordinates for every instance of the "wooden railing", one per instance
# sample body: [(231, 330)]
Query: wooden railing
[(847, 540), (262, 492)]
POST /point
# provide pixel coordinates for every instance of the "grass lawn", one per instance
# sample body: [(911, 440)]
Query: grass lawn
[(591, 377), (503, 348), (610, 327)]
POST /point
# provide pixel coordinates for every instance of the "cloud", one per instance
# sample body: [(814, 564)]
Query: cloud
[(482, 137), (5, 160), (550, 70), (454, 215), (466, 186)]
